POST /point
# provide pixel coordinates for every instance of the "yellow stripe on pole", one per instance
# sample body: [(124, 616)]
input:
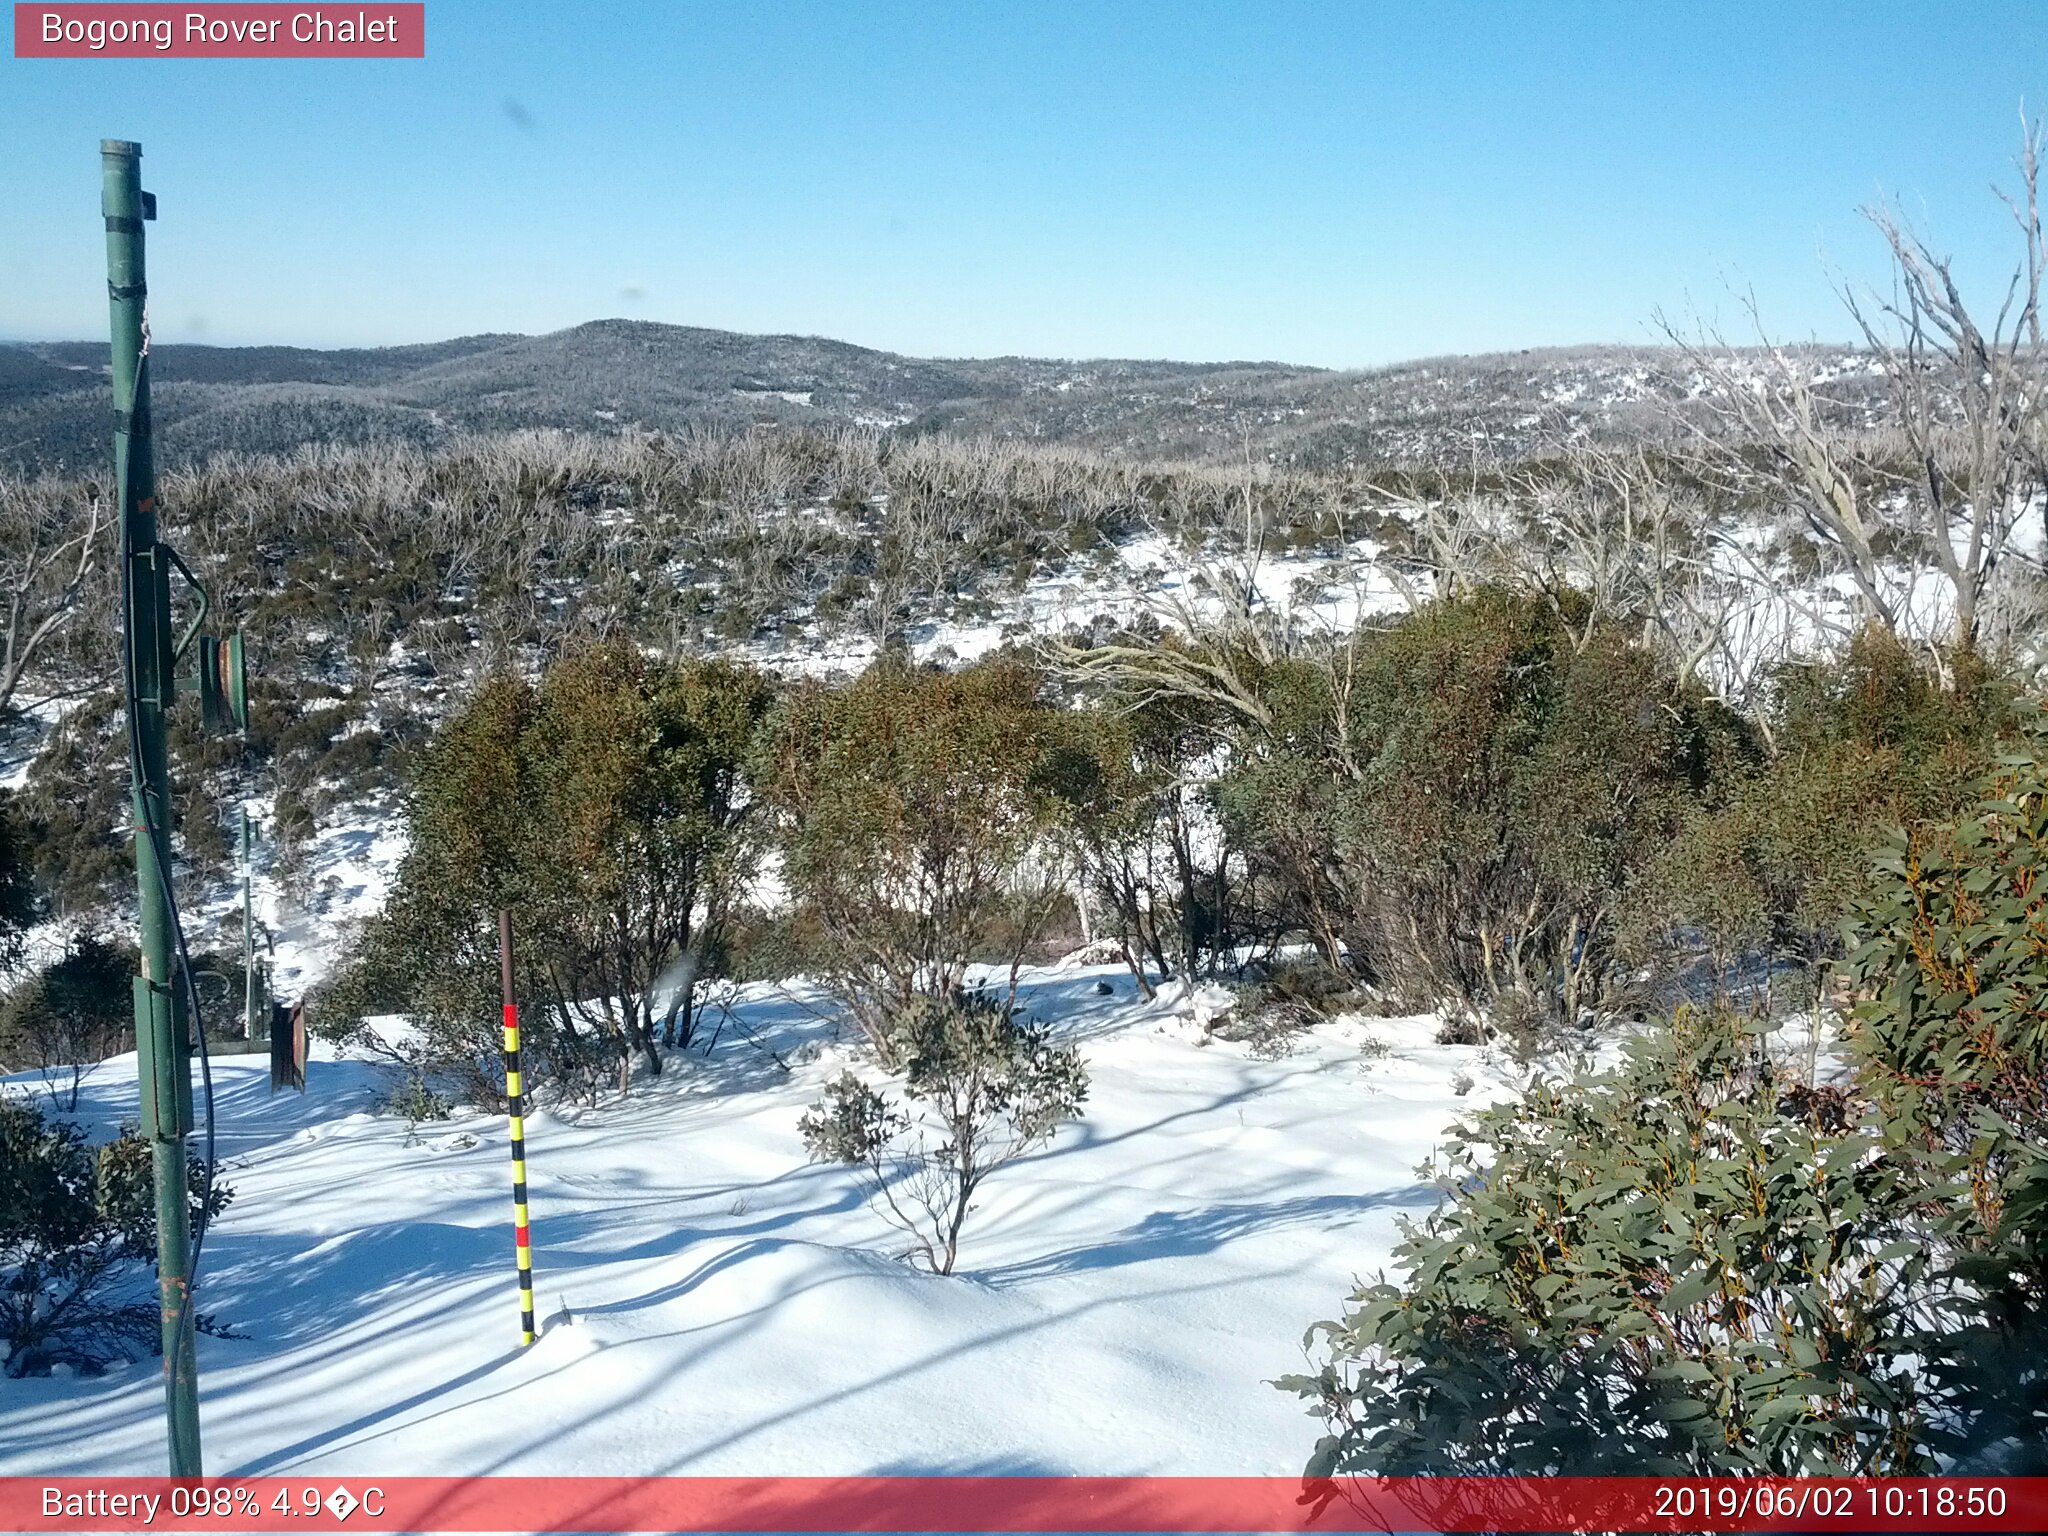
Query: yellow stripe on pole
[(522, 1228)]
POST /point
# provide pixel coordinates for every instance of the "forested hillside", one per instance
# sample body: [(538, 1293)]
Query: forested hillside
[(618, 375)]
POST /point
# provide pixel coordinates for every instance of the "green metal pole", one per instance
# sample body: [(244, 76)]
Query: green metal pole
[(163, 1045), (248, 940)]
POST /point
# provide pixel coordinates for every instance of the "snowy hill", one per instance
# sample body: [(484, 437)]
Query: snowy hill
[(715, 1304), (610, 374)]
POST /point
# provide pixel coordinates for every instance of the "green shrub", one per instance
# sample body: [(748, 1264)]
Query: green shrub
[(77, 1011), (984, 1089), (76, 808), (769, 945), (1462, 803), (1951, 956), (1294, 996), (1879, 693), (77, 1241), (1670, 1267), (417, 1100), (606, 808), (1698, 1263), (915, 817), (1864, 742)]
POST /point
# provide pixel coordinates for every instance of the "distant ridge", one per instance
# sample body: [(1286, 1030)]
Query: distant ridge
[(610, 375)]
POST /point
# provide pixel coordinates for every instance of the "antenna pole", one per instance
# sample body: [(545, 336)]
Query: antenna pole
[(163, 1042)]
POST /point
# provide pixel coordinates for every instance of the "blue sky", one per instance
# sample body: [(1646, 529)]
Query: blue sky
[(1332, 184)]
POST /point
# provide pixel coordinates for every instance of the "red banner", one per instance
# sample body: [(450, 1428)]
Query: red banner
[(1020, 1504), (102, 31)]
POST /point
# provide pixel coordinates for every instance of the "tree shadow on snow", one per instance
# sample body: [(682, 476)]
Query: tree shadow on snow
[(1186, 1234)]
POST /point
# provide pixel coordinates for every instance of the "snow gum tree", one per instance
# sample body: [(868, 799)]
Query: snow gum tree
[(1134, 808), (1940, 490), (608, 809), (431, 952), (915, 819), (639, 830), (1457, 804)]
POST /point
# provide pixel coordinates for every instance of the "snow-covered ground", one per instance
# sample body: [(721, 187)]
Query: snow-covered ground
[(715, 1304)]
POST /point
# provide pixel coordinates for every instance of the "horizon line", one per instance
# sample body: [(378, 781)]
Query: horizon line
[(1276, 364)]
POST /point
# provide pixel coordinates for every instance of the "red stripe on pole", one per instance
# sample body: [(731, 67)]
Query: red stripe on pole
[(1025, 1504), (511, 1015), (521, 1236)]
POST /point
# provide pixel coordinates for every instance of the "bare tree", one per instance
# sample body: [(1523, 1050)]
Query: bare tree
[(1648, 552), (1937, 493), (1219, 632), (1968, 401), (1772, 431), (49, 551)]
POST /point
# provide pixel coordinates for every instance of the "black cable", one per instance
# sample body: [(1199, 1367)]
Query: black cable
[(160, 857)]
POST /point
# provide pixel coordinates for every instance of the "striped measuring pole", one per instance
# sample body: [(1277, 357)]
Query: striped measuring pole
[(515, 1099)]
